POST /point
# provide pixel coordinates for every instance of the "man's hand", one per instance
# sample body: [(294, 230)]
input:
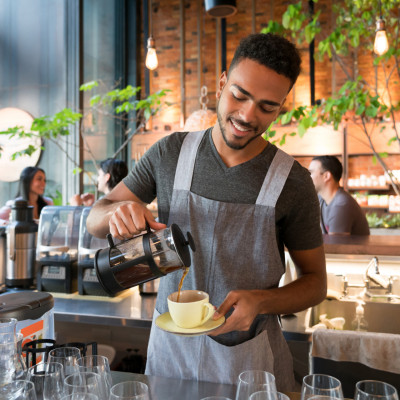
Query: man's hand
[(245, 304), (130, 219)]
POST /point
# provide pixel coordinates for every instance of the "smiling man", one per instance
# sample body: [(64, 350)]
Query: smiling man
[(243, 201)]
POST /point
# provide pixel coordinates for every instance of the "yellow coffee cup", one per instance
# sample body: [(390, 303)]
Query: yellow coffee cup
[(192, 310)]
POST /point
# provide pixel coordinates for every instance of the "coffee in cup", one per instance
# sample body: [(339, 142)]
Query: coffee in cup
[(192, 310)]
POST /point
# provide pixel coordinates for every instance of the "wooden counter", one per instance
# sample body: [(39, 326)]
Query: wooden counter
[(374, 245)]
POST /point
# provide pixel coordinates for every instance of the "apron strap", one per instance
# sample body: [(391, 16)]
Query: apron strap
[(275, 179), (186, 160)]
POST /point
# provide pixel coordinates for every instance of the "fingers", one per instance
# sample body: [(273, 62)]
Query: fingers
[(88, 199), (245, 309), (129, 219), (227, 304), (152, 222)]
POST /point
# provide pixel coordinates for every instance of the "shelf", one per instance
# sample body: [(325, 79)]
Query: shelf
[(379, 207), (361, 188)]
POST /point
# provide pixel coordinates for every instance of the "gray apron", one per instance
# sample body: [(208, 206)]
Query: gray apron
[(236, 248)]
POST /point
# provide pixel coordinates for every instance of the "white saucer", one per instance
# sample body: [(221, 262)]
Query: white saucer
[(164, 322)]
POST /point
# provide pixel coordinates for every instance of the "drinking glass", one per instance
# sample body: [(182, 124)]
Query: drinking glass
[(36, 375), (7, 353), (268, 395), (84, 382), (53, 388), (130, 390), (8, 325), (375, 390), (19, 363), (80, 396), (18, 390), (250, 382), (67, 357), (321, 397), (215, 398), (321, 385), (99, 365)]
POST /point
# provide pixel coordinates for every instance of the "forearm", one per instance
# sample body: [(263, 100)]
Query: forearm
[(305, 292), (97, 222)]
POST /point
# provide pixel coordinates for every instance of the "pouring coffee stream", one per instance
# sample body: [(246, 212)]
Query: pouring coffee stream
[(185, 272), (143, 258)]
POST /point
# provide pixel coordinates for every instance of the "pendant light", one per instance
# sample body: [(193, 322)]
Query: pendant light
[(381, 45), (220, 8), (151, 57)]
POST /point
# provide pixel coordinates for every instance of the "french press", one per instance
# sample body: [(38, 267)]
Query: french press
[(142, 258)]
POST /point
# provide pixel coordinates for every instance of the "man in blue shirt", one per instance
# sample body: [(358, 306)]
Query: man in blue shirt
[(340, 212)]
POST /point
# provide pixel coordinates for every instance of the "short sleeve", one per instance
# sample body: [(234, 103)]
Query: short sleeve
[(301, 228), (141, 180)]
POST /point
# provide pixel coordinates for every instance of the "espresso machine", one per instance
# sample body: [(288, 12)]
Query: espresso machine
[(57, 249), (88, 283), (21, 246), (143, 258)]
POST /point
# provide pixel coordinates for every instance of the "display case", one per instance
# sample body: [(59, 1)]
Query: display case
[(88, 284), (57, 248)]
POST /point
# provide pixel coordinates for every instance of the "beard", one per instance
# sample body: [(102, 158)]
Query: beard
[(231, 144)]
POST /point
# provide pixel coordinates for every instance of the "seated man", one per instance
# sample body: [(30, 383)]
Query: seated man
[(340, 212)]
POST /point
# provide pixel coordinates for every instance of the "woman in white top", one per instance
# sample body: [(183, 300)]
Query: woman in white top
[(32, 183)]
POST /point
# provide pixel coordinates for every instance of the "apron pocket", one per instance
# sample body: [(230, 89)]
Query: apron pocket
[(223, 364)]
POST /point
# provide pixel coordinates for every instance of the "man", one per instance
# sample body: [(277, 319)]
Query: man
[(238, 196), (340, 213)]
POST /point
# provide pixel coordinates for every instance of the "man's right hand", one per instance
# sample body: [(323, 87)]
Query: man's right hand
[(130, 219)]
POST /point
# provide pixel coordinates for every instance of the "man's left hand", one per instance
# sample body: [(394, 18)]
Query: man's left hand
[(245, 304)]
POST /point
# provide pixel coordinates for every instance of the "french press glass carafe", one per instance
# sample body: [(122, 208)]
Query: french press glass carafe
[(142, 258)]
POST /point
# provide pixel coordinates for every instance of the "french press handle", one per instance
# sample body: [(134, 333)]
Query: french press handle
[(111, 241)]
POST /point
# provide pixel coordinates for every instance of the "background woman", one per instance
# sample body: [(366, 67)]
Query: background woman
[(110, 173), (32, 184)]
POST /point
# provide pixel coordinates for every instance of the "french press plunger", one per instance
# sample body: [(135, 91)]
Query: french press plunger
[(142, 258)]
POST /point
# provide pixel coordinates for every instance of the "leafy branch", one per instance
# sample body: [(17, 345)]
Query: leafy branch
[(116, 104), (357, 100)]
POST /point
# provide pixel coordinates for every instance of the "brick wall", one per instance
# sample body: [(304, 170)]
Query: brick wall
[(166, 31)]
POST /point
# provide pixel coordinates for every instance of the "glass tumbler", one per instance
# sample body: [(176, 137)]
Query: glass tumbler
[(67, 357), (321, 385), (250, 382), (375, 390), (130, 390)]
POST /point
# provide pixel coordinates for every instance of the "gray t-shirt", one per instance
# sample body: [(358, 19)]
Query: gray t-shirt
[(343, 215), (297, 211)]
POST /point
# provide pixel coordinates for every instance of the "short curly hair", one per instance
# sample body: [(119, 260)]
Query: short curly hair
[(272, 51)]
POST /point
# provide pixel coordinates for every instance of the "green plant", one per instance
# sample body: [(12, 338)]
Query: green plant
[(383, 221), (116, 104), (360, 101)]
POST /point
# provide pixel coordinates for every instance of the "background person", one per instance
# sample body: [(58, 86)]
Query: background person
[(340, 212), (238, 196), (32, 184), (110, 173)]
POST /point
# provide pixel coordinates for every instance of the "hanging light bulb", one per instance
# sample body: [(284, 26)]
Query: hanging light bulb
[(381, 44), (151, 57)]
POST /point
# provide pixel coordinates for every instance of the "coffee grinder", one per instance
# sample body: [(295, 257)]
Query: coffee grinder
[(88, 283), (143, 258), (57, 249)]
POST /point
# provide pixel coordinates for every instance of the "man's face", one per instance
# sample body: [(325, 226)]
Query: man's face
[(102, 180), (317, 175), (248, 102)]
